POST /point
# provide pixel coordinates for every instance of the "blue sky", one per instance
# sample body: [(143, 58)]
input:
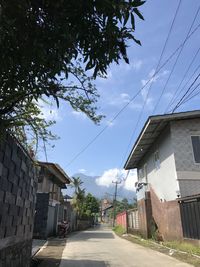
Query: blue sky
[(108, 152)]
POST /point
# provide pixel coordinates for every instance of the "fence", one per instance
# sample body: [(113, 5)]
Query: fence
[(121, 219), (128, 220), (133, 219), (190, 217)]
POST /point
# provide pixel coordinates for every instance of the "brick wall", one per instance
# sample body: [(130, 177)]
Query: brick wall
[(17, 203), (167, 217), (145, 215), (121, 219)]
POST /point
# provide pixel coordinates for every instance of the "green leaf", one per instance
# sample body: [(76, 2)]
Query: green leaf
[(136, 40), (138, 3), (126, 17), (137, 12), (133, 21)]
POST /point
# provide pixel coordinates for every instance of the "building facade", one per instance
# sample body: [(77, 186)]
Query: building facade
[(167, 157), (52, 179)]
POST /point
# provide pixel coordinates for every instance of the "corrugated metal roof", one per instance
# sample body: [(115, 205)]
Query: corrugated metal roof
[(151, 130)]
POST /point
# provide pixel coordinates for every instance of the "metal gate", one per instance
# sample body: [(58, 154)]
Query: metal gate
[(190, 216)]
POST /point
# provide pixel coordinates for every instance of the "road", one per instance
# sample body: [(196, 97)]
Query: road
[(99, 247)]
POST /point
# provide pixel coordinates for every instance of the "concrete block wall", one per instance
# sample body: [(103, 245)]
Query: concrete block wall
[(41, 216), (18, 182)]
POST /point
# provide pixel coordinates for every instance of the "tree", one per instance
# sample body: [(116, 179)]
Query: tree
[(46, 46), (79, 195), (84, 205), (76, 183), (91, 205)]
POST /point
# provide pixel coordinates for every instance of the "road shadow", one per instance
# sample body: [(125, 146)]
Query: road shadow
[(51, 255), (83, 263), (95, 235)]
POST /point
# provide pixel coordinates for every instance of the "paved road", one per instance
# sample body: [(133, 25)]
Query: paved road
[(100, 248)]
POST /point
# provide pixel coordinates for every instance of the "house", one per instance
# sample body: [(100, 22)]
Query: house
[(69, 213), (52, 179), (167, 157), (105, 209)]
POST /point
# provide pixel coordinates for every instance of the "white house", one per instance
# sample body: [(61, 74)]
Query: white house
[(167, 157)]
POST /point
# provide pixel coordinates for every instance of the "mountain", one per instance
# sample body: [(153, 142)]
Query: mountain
[(98, 191)]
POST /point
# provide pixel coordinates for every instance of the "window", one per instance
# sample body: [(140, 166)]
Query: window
[(145, 172), (196, 147), (157, 160), (140, 174)]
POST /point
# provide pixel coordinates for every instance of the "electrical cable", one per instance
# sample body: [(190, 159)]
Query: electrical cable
[(197, 93), (151, 83), (176, 61), (182, 98), (178, 90), (131, 100), (188, 81)]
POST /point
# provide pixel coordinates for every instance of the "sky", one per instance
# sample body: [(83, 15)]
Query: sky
[(106, 156)]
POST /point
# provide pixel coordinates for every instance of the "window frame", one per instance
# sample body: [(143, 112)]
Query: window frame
[(157, 161), (194, 135)]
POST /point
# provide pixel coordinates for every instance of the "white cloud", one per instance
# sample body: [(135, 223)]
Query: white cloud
[(123, 99), (48, 112), (111, 175), (120, 99), (151, 79), (131, 180), (79, 115), (137, 64), (82, 170), (110, 123)]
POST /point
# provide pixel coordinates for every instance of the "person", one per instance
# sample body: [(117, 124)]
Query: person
[(63, 229)]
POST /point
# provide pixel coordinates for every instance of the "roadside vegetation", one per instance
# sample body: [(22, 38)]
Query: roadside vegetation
[(183, 246), (182, 251), (119, 230), (86, 205)]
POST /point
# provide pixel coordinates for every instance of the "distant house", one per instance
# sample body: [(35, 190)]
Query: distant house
[(52, 179), (167, 157), (105, 208)]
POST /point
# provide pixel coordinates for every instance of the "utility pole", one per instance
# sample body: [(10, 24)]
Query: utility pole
[(114, 200)]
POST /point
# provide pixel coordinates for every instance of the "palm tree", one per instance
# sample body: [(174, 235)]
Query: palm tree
[(76, 183), (79, 195)]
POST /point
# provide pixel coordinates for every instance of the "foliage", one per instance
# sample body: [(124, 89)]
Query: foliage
[(84, 205), (28, 125), (183, 246), (46, 46), (118, 229), (121, 206), (90, 205)]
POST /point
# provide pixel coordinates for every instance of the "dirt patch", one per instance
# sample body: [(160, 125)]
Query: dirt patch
[(51, 255)]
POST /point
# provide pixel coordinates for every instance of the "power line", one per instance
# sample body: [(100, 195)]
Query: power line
[(131, 100), (178, 90), (150, 87), (198, 92), (176, 61), (198, 67), (182, 98)]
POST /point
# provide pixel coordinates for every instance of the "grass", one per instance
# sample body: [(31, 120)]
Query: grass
[(119, 230), (183, 246)]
